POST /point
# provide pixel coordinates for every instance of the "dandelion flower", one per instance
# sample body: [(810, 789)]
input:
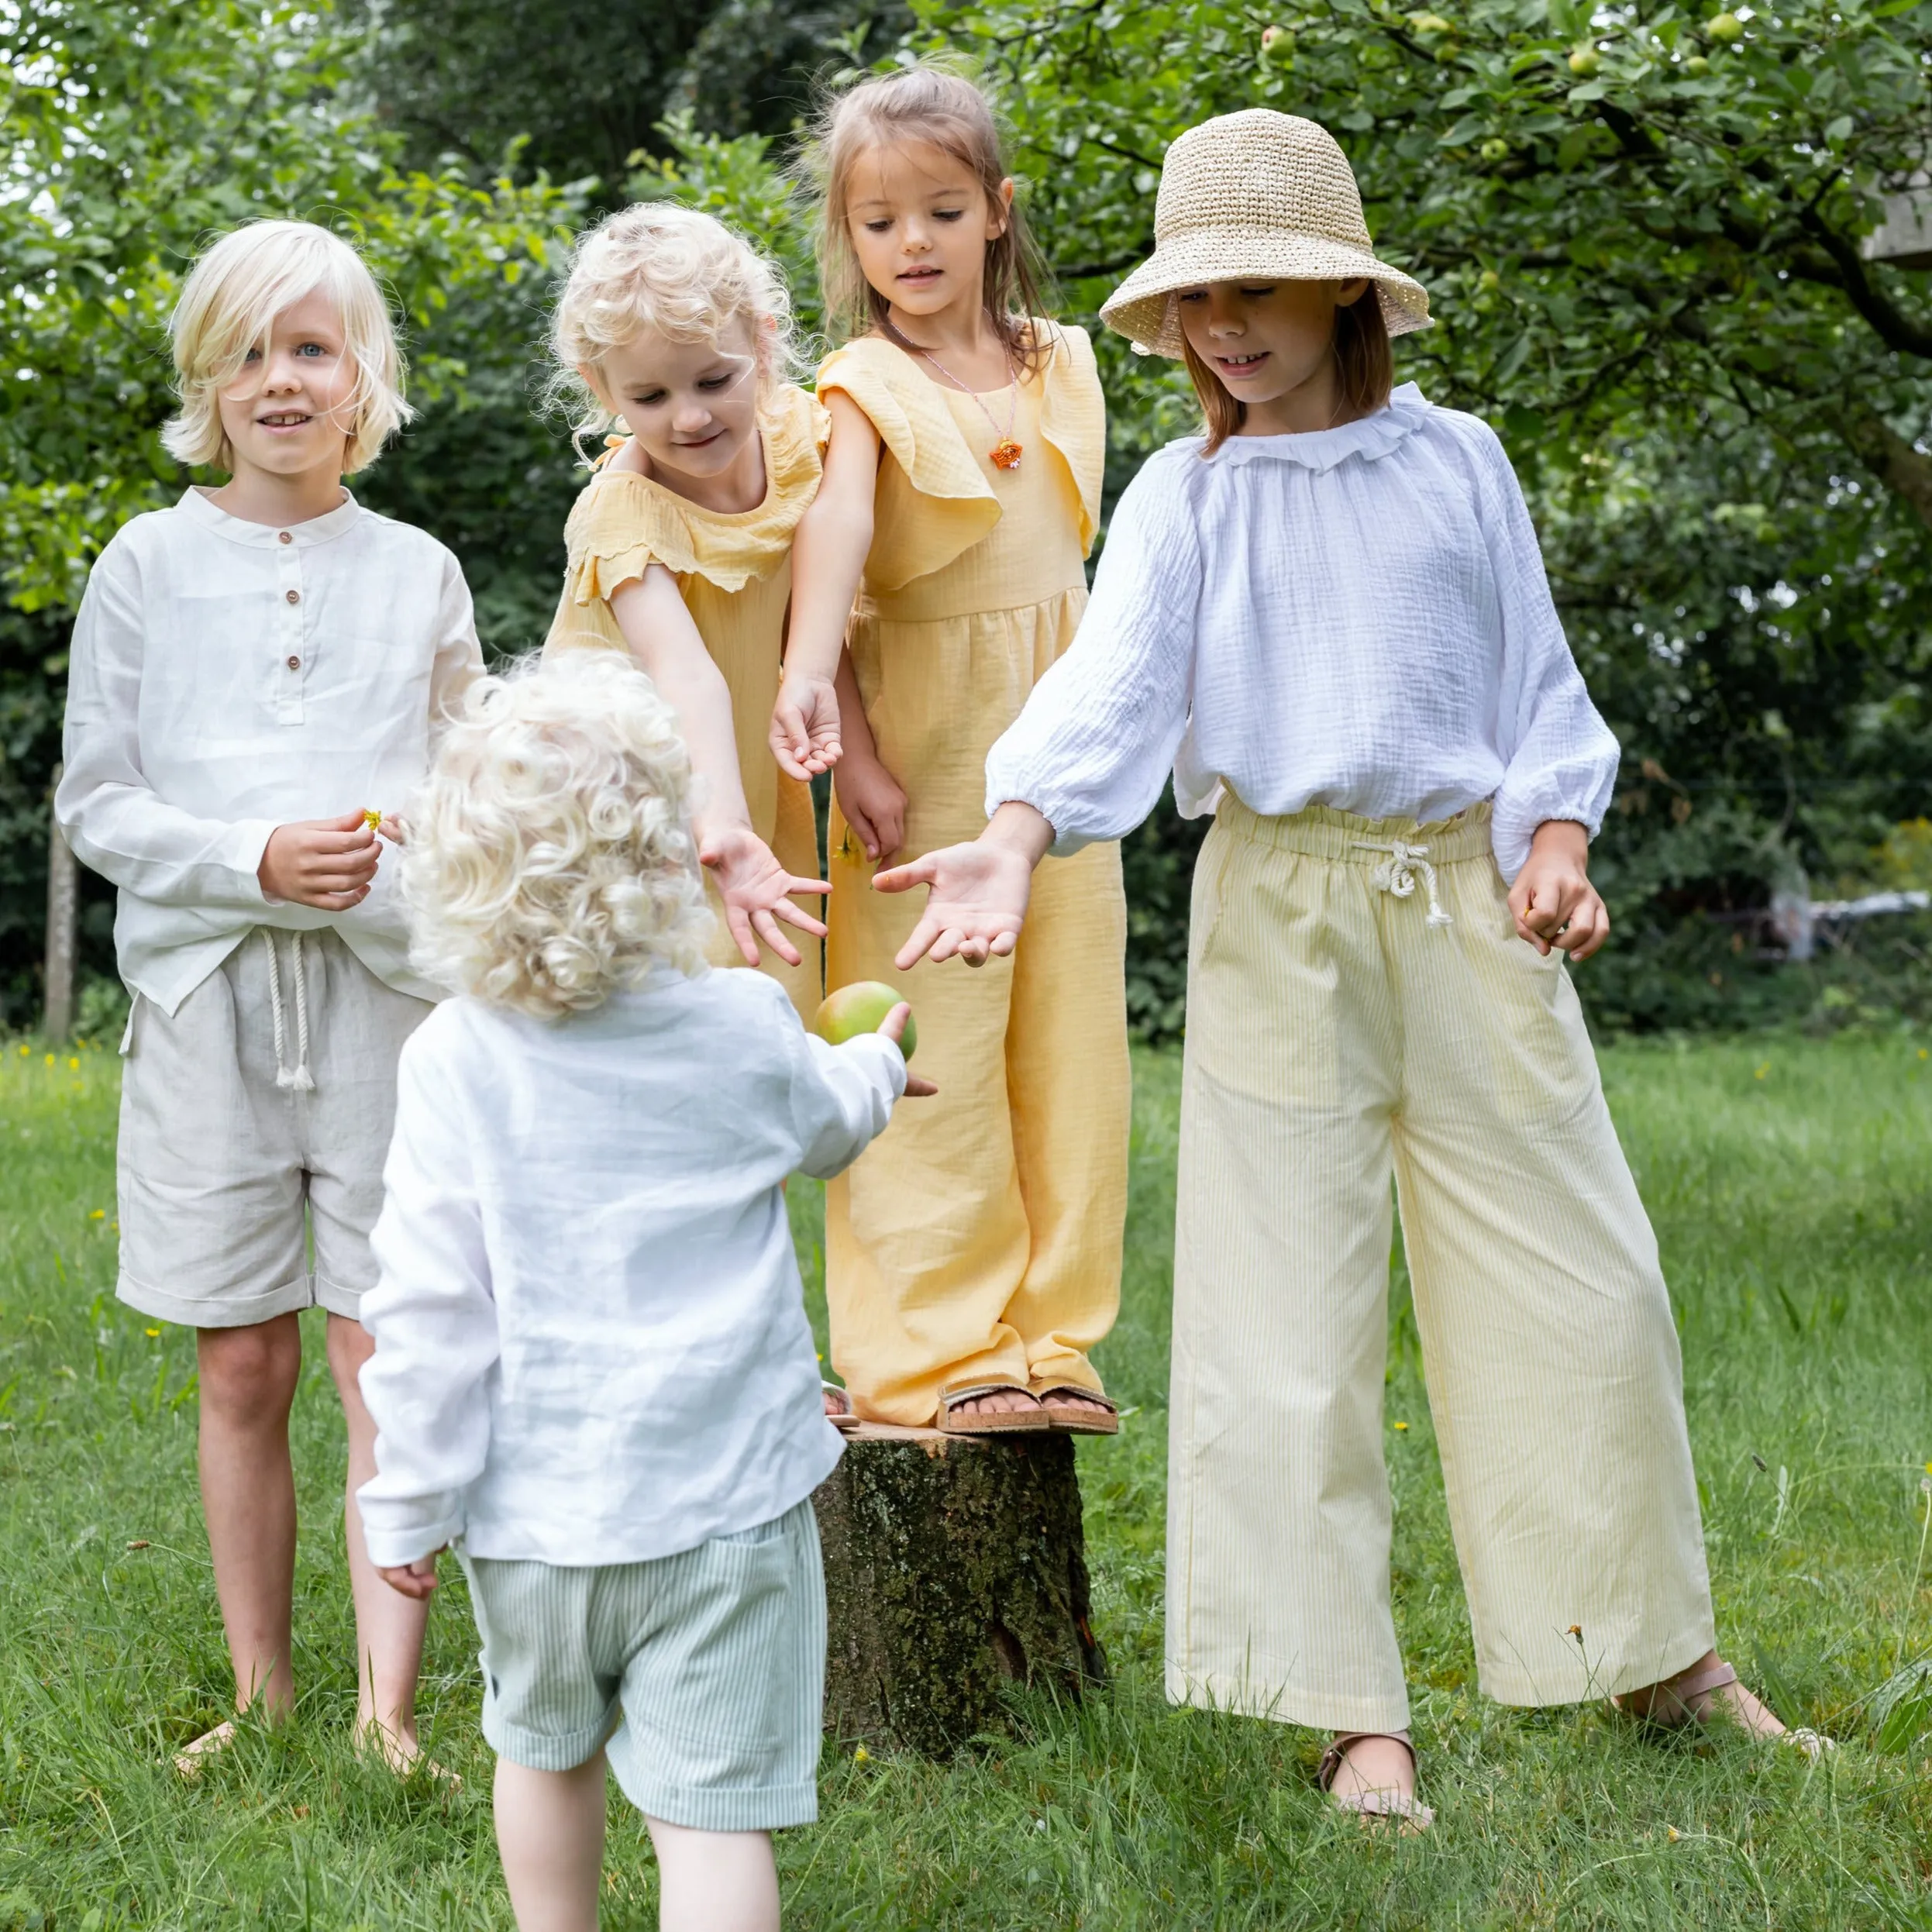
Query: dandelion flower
[(862, 1756), (74, 1064), (150, 1333), (371, 816), (1763, 1070), (50, 1060), (97, 1214)]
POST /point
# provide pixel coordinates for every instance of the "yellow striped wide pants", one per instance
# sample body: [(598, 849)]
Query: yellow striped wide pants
[(1337, 1035)]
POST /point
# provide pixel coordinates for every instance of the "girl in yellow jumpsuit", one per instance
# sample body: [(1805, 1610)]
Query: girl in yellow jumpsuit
[(972, 1255), (680, 545)]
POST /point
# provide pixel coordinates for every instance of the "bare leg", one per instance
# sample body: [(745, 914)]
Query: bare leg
[(389, 1626), (715, 1880), (248, 1378), (550, 1837), (1660, 1700)]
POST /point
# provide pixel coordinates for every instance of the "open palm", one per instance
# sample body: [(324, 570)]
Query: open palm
[(976, 906), (755, 888)]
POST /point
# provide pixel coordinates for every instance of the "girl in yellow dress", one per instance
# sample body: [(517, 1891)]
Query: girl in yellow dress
[(971, 1256), (680, 546)]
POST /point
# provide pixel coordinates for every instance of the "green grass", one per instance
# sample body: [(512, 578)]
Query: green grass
[(1791, 1181)]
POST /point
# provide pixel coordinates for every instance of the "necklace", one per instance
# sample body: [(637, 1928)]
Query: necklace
[(1006, 454)]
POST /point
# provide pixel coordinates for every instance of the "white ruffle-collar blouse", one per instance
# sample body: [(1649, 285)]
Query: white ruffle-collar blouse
[(1355, 618)]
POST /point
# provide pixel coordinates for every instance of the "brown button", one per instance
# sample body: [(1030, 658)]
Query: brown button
[(295, 664), (293, 596), (282, 536)]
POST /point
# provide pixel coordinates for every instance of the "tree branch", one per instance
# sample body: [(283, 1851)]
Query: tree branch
[(1890, 458), (1893, 327)]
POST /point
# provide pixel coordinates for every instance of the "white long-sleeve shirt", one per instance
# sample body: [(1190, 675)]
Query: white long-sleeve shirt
[(227, 677), (590, 1336), (1355, 618)]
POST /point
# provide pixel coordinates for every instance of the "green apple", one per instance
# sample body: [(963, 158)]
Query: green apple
[(1726, 29), (1278, 46), (860, 1008), (1585, 61), (1696, 66), (1489, 281), (1495, 149)]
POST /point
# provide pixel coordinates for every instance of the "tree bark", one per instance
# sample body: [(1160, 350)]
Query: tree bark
[(1891, 459), (954, 1566)]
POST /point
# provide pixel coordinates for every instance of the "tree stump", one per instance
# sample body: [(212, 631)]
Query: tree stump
[(954, 1564)]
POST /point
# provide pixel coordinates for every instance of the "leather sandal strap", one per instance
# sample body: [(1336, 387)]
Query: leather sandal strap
[(960, 1392), (1699, 1683)]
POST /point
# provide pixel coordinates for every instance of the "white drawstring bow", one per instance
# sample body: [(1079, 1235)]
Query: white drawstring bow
[(1395, 875), (299, 1076)]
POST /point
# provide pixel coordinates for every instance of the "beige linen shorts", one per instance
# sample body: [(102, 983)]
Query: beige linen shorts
[(254, 1118), (702, 1675)]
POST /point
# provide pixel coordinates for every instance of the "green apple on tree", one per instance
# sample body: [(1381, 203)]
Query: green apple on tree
[(1277, 47), (1585, 61), (1726, 29)]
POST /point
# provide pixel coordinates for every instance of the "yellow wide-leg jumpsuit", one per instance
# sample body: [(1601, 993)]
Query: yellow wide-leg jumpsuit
[(734, 572), (978, 1240)]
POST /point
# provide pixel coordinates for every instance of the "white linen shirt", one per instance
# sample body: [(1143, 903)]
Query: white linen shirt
[(227, 677), (590, 1336), (1355, 618)]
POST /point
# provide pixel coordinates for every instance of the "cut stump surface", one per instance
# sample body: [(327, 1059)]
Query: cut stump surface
[(953, 1566)]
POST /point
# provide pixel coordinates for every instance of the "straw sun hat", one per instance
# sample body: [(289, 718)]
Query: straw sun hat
[(1252, 194)]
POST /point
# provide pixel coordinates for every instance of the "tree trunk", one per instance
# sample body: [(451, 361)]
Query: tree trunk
[(953, 1565), (1891, 459), (63, 931)]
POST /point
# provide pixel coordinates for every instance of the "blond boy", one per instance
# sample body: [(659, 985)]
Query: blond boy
[(254, 670), (593, 1372)]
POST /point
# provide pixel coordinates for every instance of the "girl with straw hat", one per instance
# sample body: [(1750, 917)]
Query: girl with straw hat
[(1329, 617)]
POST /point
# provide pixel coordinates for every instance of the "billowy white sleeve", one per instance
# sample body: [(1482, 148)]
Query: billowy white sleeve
[(433, 1318), (841, 1097), (114, 820), (1562, 758), (1097, 738), (459, 661)]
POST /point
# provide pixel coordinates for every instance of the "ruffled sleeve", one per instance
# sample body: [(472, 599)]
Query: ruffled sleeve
[(921, 437), (1073, 418)]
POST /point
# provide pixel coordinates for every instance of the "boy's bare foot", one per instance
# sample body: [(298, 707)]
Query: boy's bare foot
[(1373, 1774), (190, 1759), (401, 1753), (1708, 1690)]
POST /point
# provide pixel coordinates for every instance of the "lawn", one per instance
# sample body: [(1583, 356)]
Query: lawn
[(1788, 1179)]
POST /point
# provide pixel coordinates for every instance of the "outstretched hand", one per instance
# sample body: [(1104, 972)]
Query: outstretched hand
[(976, 905), (805, 726), (894, 1029), (755, 888)]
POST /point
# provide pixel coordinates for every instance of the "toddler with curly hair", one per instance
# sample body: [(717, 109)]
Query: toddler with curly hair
[(593, 1373)]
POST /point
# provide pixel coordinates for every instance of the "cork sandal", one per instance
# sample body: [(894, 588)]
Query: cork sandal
[(996, 1422), (1693, 1699), (1079, 1417), (1379, 1806), (841, 1418)]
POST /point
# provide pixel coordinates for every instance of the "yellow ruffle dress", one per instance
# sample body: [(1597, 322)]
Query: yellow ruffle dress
[(733, 572), (979, 1238)]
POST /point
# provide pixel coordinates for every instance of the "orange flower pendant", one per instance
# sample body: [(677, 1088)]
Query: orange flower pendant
[(1007, 454)]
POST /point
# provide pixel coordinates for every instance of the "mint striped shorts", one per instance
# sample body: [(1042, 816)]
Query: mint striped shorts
[(702, 1675)]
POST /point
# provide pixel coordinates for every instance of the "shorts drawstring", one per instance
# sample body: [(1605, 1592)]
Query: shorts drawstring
[(299, 1076), (1395, 875)]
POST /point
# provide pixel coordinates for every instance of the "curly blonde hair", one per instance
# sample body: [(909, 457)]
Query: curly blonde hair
[(549, 861), (657, 266), (228, 306)]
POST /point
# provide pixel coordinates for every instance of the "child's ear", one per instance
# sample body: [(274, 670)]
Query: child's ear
[(592, 377), (1000, 215)]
